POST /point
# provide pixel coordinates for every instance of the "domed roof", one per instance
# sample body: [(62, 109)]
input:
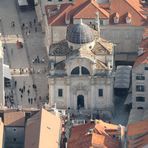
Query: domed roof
[(79, 34)]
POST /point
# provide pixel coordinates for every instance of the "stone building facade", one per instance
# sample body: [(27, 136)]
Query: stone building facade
[(140, 86), (2, 101), (140, 76), (81, 71)]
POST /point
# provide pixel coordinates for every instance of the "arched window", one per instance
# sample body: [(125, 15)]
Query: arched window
[(75, 71), (85, 71)]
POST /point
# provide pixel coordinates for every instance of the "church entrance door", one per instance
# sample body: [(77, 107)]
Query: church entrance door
[(80, 101)]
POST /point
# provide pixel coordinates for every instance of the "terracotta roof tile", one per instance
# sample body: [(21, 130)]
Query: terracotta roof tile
[(88, 8), (143, 58), (104, 141), (100, 135), (43, 130), (128, 6), (79, 137), (14, 118), (80, 9), (137, 134), (137, 128)]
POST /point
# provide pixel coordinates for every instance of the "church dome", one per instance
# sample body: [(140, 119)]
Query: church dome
[(79, 34)]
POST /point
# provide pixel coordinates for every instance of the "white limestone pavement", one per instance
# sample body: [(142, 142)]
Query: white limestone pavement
[(35, 47), (17, 57)]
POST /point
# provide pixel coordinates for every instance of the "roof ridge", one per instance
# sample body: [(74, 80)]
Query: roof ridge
[(85, 3), (132, 6), (97, 6), (60, 14)]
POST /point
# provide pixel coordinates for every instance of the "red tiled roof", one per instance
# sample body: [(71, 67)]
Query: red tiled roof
[(128, 6), (138, 142), (137, 128), (14, 118), (137, 134), (101, 135), (104, 141), (143, 58), (79, 137), (43, 130), (80, 9), (88, 8)]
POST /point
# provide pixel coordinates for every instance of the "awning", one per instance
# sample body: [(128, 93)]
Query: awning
[(122, 77), (7, 73), (22, 3)]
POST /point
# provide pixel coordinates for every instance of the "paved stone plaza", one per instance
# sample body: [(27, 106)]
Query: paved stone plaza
[(32, 39)]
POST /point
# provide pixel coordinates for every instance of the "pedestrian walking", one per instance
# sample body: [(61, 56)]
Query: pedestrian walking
[(23, 25), (24, 88), (34, 21), (29, 100), (13, 24), (21, 97), (30, 24), (15, 83), (28, 91), (35, 99)]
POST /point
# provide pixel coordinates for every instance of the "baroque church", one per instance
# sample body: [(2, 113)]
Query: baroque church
[(81, 70)]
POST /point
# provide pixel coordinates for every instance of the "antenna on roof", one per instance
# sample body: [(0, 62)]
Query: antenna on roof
[(98, 22)]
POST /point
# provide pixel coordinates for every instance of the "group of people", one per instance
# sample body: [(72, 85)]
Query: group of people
[(27, 27), (23, 90), (23, 71), (38, 60), (9, 99)]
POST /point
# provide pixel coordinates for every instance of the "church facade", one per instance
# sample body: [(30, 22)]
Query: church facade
[(81, 70)]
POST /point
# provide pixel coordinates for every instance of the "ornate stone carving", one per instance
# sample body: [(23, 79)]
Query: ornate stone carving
[(80, 86)]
